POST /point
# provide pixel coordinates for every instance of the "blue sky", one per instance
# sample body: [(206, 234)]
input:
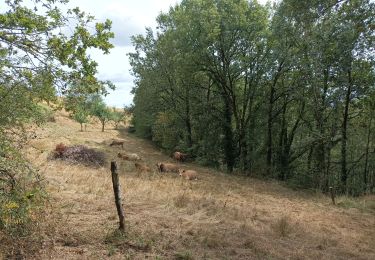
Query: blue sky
[(129, 17)]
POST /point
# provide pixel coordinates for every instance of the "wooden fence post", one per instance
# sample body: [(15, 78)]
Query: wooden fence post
[(117, 191), (332, 191)]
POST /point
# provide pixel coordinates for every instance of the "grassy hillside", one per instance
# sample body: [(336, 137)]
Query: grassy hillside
[(216, 217)]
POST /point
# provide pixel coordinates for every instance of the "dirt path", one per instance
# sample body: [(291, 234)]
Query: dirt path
[(217, 217)]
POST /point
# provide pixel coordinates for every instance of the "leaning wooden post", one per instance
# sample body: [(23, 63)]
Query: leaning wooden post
[(117, 191), (332, 191)]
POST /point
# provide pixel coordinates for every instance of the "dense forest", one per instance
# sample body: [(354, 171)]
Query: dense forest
[(284, 91)]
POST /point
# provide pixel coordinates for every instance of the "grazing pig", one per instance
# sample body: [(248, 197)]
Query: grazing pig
[(167, 167), (180, 157), (134, 157), (142, 168), (129, 157), (123, 156), (116, 142), (188, 174)]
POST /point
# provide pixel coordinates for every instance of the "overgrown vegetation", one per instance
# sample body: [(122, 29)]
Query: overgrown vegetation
[(21, 195), (286, 92), (37, 61)]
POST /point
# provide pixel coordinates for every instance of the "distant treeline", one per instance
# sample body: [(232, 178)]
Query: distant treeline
[(284, 91)]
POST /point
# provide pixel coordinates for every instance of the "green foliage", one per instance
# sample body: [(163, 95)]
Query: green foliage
[(81, 116), (43, 114), (21, 192), (20, 209), (43, 86), (165, 131), (285, 92), (301, 180), (99, 110), (37, 61), (117, 117), (362, 205)]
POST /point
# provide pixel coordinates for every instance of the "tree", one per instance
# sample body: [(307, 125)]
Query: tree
[(36, 56), (81, 116), (117, 117), (219, 61), (38, 60), (278, 91), (329, 41), (99, 110)]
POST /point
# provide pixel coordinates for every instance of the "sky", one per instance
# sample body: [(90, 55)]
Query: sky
[(129, 17)]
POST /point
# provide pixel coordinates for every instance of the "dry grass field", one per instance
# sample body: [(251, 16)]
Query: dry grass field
[(217, 217)]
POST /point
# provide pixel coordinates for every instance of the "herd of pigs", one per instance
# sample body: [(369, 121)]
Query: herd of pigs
[(161, 166)]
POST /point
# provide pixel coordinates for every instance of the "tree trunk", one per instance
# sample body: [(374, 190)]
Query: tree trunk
[(320, 148), (228, 132), (188, 123), (81, 127), (269, 129), (320, 166), (309, 158), (282, 158), (243, 151), (271, 101), (344, 170), (326, 178), (103, 123), (365, 172)]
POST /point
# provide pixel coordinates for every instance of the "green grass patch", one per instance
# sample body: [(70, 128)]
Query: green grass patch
[(363, 205)]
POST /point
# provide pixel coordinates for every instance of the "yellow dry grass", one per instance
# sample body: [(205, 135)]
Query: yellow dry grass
[(217, 217)]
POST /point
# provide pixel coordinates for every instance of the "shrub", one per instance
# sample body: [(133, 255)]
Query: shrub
[(44, 114), (79, 154), (21, 195), (165, 131)]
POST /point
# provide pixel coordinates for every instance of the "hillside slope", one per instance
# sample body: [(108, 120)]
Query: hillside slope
[(216, 217)]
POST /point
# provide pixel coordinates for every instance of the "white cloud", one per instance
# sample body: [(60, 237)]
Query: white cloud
[(120, 97), (129, 17), (124, 28)]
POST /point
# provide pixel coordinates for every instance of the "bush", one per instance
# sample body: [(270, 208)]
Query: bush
[(79, 154), (21, 195), (164, 131), (44, 114), (301, 180)]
